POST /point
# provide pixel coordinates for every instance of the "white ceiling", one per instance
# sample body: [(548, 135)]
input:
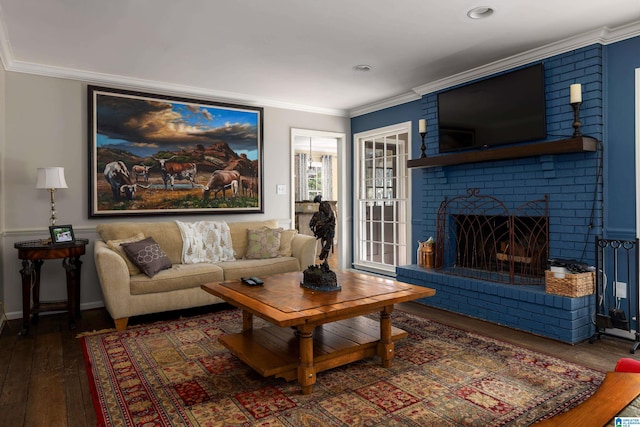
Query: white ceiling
[(296, 53)]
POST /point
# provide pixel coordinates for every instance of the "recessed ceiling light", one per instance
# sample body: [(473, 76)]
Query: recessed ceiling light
[(362, 67), (480, 12)]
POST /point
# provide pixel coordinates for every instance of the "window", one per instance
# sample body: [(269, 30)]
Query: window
[(314, 180), (314, 177), (381, 199)]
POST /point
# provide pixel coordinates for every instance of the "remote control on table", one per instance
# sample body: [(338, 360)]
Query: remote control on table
[(251, 281), (256, 280)]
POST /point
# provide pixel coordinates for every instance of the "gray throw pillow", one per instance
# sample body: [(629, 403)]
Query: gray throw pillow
[(147, 255)]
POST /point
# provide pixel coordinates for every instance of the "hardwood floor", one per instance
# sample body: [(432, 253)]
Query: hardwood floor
[(43, 381)]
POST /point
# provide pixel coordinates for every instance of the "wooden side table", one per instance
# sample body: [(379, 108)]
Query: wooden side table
[(33, 253)]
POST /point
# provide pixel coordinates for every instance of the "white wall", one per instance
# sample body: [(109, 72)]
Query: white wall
[(46, 125)]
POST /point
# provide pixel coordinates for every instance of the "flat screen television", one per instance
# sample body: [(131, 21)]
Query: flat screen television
[(504, 109)]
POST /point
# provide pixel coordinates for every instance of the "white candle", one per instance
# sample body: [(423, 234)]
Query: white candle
[(576, 93), (423, 126)]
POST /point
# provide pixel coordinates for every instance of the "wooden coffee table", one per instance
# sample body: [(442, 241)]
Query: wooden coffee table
[(314, 331)]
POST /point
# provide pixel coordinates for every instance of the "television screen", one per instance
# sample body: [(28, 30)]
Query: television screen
[(504, 109)]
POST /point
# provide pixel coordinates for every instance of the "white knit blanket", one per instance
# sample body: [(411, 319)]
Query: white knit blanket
[(205, 241)]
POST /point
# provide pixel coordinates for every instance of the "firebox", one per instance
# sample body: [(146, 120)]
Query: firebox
[(479, 237)]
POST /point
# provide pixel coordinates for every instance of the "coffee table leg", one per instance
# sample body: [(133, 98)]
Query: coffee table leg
[(247, 321), (306, 369), (385, 346)]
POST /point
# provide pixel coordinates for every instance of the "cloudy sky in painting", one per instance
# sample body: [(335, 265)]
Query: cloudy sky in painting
[(144, 126)]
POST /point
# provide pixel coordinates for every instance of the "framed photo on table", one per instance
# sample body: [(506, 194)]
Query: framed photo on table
[(154, 154), (61, 234)]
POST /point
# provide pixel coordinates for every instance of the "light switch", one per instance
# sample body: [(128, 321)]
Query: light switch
[(281, 189)]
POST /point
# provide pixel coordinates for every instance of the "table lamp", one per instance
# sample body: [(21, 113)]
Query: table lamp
[(51, 178)]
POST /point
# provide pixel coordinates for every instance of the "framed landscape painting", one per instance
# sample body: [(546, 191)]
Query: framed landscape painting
[(153, 155)]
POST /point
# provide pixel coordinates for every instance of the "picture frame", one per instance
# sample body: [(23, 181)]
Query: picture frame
[(61, 234), (152, 154)]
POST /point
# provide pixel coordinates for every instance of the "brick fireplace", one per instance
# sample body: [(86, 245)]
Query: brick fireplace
[(490, 264), (478, 236), (571, 185)]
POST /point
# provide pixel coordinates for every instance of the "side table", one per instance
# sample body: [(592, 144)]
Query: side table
[(33, 253)]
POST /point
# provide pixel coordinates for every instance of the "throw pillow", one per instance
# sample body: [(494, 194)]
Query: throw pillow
[(205, 241), (285, 241), (147, 255), (263, 243), (115, 245)]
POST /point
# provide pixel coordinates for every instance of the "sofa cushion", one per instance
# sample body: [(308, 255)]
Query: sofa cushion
[(285, 241), (234, 270), (115, 245), (147, 255), (263, 243), (179, 276), (166, 233)]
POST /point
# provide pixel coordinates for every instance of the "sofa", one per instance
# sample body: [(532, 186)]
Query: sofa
[(129, 292)]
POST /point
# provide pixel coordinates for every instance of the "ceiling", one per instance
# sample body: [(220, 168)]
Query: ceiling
[(297, 54)]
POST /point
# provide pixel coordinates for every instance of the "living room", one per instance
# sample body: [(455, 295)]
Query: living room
[(43, 117)]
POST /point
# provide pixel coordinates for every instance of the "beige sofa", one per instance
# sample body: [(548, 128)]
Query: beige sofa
[(127, 295)]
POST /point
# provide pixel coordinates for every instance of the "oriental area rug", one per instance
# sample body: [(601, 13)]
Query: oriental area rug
[(177, 374)]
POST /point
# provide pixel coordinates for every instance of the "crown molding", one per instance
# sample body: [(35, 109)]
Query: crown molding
[(10, 64), (602, 36), (162, 87), (620, 33), (385, 103)]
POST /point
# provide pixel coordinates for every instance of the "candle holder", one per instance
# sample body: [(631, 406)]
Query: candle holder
[(576, 119), (423, 148)]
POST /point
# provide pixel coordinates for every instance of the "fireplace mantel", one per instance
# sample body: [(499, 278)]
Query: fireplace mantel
[(562, 146)]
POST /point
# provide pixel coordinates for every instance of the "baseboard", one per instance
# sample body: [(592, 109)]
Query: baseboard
[(3, 317), (86, 306)]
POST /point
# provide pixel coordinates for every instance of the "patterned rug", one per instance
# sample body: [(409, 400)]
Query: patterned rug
[(177, 374)]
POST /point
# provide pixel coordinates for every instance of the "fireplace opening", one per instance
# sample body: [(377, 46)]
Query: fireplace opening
[(478, 237)]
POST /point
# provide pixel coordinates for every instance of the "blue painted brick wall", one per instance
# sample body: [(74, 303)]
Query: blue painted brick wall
[(526, 308), (575, 207), (568, 179)]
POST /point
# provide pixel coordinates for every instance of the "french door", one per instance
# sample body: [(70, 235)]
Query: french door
[(382, 206)]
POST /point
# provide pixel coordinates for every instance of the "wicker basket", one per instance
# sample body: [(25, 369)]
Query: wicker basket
[(571, 285)]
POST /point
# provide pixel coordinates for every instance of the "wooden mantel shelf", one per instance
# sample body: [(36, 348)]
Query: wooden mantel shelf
[(562, 146)]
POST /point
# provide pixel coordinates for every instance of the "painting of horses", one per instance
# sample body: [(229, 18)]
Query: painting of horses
[(151, 154)]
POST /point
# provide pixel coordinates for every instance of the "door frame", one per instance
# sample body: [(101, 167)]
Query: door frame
[(344, 218)]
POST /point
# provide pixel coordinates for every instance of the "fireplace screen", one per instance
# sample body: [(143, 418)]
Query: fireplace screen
[(479, 237)]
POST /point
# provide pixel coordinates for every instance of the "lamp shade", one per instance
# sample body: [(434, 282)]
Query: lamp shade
[(51, 177)]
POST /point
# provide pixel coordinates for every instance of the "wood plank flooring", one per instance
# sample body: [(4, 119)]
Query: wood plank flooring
[(43, 381)]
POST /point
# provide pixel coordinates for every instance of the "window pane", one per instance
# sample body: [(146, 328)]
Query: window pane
[(381, 201)]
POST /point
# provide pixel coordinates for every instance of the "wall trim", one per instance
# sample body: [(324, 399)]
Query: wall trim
[(84, 306), (602, 36), (21, 232), (157, 86)]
